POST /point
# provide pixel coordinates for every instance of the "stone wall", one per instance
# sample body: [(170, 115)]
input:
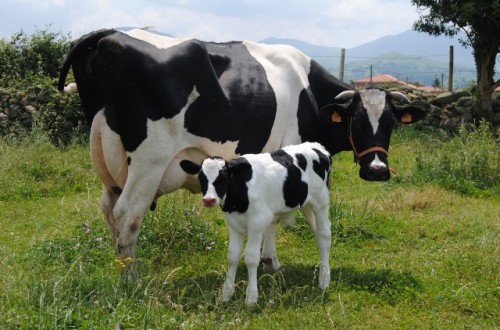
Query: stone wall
[(17, 111), (450, 110), (447, 111)]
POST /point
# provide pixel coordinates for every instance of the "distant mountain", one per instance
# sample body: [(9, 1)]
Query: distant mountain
[(415, 43), (412, 56), (305, 47)]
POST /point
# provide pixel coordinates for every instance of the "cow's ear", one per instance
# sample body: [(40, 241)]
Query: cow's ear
[(189, 167), (335, 113), (408, 114)]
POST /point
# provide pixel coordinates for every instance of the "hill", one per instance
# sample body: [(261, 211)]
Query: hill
[(410, 55)]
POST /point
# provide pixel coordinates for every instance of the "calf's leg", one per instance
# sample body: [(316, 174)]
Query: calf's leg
[(252, 257), (234, 252), (324, 240), (269, 256)]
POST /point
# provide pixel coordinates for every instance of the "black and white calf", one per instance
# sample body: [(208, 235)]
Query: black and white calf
[(254, 190)]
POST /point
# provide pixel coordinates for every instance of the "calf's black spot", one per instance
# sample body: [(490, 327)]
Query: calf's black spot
[(239, 172), (294, 189)]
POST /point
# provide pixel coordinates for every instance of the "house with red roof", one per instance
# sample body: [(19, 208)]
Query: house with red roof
[(387, 79)]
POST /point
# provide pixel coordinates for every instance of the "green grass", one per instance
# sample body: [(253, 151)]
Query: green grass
[(415, 252)]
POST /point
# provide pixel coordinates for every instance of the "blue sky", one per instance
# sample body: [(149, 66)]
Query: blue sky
[(339, 23)]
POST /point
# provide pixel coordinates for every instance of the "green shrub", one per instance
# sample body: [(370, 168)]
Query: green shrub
[(30, 66), (41, 53)]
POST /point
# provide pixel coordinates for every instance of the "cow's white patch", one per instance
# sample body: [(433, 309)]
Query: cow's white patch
[(157, 40), (286, 70), (169, 138), (71, 88), (374, 103), (377, 163)]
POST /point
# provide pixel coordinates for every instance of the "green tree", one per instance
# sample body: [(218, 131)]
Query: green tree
[(436, 83), (480, 20)]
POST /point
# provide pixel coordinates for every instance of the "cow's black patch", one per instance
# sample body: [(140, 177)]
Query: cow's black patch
[(307, 117), (294, 189), (248, 116), (302, 161), (324, 88), (117, 190), (239, 172)]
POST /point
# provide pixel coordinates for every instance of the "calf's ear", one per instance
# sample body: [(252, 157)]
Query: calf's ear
[(189, 167), (408, 114), (236, 168)]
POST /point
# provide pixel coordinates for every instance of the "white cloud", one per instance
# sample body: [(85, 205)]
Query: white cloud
[(342, 23)]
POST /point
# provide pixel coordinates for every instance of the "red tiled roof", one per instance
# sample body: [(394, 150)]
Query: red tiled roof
[(377, 79), (387, 78)]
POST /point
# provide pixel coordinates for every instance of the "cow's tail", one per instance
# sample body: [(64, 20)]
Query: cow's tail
[(83, 44)]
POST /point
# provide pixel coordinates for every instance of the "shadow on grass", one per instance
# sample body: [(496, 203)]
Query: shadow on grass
[(297, 285)]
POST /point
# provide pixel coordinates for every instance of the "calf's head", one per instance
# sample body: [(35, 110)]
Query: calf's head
[(363, 121), (218, 178), (213, 176)]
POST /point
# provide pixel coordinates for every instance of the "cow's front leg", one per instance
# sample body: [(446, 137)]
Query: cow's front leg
[(269, 257), (134, 201), (234, 253)]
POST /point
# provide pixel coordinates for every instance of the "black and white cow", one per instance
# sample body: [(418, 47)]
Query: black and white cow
[(154, 101), (254, 190)]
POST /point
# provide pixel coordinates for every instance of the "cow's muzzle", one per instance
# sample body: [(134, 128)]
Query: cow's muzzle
[(376, 170)]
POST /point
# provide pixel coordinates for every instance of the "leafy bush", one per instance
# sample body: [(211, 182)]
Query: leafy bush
[(41, 53), (30, 66)]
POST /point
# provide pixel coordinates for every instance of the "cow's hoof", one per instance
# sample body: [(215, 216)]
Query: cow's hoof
[(269, 265)]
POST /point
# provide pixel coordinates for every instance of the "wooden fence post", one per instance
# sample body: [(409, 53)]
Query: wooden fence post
[(450, 74), (342, 61)]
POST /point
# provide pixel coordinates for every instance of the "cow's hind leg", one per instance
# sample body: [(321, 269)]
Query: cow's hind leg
[(108, 201)]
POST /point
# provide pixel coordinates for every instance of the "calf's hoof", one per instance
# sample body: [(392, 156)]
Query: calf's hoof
[(251, 298)]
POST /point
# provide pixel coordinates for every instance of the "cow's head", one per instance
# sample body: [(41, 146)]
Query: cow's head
[(363, 121)]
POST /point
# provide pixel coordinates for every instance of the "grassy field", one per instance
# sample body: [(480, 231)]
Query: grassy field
[(418, 252)]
